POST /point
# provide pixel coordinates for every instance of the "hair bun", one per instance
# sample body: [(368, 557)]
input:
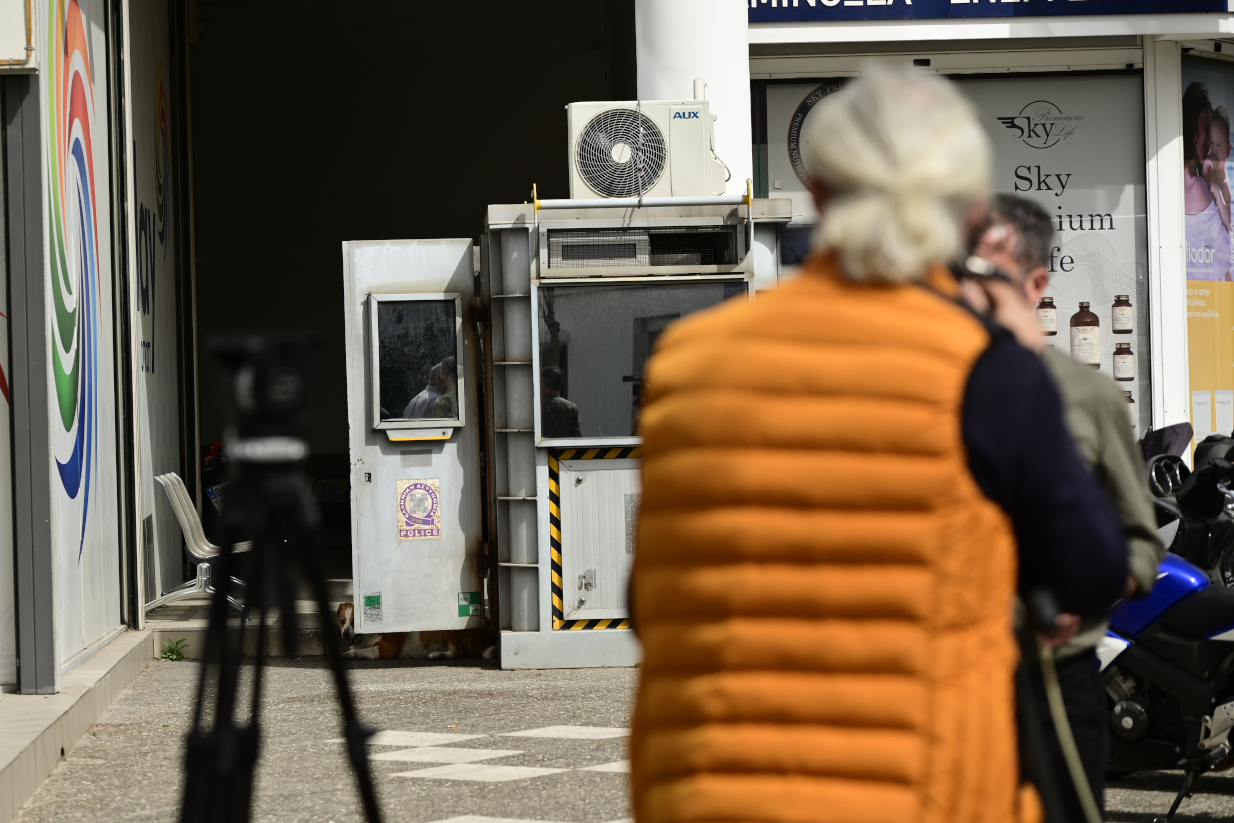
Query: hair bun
[(903, 155)]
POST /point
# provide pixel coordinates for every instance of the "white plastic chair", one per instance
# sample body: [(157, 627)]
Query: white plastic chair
[(199, 549)]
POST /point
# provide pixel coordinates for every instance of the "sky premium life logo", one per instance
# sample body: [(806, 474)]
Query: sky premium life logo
[(1041, 124)]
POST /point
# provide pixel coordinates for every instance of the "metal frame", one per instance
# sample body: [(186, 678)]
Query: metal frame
[(375, 365), (1167, 242), (38, 669), (602, 442), (740, 217)]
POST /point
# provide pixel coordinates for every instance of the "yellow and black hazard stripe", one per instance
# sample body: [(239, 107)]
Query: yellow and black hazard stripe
[(578, 625), (554, 531), (615, 453)]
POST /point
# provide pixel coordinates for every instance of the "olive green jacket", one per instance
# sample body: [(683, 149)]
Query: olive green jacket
[(1096, 414)]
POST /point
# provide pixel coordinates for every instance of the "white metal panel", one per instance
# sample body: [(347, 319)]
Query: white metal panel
[(689, 145), (1163, 139), (16, 21), (419, 581), (599, 512)]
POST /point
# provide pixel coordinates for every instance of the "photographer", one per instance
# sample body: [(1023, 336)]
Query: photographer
[(1017, 241)]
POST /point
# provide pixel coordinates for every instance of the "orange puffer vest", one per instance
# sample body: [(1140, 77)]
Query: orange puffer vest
[(823, 592)]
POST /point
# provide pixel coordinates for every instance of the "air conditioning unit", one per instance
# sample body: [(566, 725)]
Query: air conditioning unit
[(648, 148)]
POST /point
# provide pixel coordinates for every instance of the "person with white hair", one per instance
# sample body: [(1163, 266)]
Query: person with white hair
[(439, 398), (844, 482)]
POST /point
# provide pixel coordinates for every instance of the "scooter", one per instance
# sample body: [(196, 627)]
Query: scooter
[(1168, 659)]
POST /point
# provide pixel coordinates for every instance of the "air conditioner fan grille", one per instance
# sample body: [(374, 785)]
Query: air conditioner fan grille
[(621, 153)]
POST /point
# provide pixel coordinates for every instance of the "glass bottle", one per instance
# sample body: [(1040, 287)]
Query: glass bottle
[(1047, 316), (1124, 362), (1086, 337), (1132, 415), (1122, 315)]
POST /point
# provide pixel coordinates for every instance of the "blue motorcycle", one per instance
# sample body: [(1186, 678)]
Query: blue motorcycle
[(1168, 659)]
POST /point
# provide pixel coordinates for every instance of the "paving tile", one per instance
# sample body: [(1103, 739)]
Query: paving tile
[(479, 772), (572, 732), (617, 767), (441, 754), (407, 739), (479, 818)]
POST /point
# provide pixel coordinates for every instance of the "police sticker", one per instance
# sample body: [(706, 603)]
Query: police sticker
[(419, 509)]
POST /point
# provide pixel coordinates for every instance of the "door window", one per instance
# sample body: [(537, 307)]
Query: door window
[(417, 360)]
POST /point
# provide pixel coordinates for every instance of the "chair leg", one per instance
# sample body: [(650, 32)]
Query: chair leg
[(198, 585)]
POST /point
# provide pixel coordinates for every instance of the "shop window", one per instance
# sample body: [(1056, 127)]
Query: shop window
[(417, 359), (1074, 145), (608, 332)]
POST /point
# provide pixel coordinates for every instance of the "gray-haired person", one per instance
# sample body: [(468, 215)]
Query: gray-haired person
[(438, 399), (1019, 240)]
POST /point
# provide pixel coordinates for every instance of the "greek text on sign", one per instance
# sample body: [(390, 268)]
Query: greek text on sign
[(419, 509)]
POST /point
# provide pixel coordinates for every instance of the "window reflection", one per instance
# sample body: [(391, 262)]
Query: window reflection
[(594, 345), (416, 349)]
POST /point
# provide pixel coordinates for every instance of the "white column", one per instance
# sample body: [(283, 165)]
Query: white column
[(679, 40), (1163, 92)]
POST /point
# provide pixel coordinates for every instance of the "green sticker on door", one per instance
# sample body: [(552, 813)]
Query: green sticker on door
[(470, 604), (372, 608)]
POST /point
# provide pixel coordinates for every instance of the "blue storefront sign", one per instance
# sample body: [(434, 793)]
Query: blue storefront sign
[(786, 11)]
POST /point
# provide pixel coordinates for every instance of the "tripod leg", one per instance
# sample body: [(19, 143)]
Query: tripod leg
[(357, 735)]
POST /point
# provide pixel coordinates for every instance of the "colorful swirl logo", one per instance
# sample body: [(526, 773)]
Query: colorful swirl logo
[(74, 250), (162, 155)]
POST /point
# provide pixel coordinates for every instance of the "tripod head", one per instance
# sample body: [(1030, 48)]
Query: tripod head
[(264, 388)]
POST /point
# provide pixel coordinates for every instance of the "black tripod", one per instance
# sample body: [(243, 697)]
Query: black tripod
[(268, 500)]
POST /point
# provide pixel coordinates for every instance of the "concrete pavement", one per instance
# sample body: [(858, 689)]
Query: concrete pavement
[(462, 740)]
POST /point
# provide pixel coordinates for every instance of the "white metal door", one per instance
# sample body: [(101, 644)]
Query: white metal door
[(414, 435), (599, 512)]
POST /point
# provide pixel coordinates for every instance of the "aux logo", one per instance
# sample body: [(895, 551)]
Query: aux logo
[(685, 115), (1042, 124)]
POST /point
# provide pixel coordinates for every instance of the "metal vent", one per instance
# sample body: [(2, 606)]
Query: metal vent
[(668, 246), (621, 153)]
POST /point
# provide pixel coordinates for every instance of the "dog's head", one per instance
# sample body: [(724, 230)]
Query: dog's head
[(347, 623)]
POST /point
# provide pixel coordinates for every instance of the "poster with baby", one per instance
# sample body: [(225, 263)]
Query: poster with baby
[(1208, 98)]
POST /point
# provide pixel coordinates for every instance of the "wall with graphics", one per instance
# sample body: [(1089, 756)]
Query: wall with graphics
[(152, 287), (78, 253)]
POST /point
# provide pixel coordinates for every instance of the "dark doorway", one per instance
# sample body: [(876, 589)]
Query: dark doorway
[(319, 121)]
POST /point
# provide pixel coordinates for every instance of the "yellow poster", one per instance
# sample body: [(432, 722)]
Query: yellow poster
[(1208, 99), (1210, 347)]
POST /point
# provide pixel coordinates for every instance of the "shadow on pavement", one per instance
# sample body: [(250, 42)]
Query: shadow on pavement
[(1221, 783), (319, 662)]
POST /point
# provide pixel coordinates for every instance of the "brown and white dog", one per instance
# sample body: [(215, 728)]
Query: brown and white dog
[(433, 645)]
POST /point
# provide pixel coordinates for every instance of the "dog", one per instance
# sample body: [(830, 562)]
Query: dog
[(443, 645)]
